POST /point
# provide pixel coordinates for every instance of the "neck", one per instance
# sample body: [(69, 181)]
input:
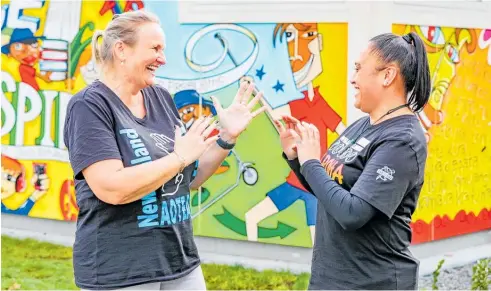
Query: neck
[(380, 112), (310, 91), (125, 90)]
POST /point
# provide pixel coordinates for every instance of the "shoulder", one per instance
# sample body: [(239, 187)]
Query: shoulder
[(404, 129), (359, 122), (404, 137), (92, 98)]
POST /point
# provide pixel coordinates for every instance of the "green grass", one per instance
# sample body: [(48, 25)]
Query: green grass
[(32, 265)]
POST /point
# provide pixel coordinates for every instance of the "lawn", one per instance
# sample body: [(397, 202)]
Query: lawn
[(32, 265)]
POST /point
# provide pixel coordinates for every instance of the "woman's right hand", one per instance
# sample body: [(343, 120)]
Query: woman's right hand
[(287, 139), (196, 140)]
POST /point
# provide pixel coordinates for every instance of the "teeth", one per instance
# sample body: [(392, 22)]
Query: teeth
[(152, 67)]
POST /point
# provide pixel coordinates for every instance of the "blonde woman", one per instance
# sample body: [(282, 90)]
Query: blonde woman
[(134, 163)]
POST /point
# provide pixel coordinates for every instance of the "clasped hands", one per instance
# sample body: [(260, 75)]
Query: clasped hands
[(299, 139)]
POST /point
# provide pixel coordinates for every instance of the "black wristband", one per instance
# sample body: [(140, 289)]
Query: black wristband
[(225, 145)]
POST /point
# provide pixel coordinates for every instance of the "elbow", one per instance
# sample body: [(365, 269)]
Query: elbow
[(110, 197), (110, 194), (194, 186), (352, 224)]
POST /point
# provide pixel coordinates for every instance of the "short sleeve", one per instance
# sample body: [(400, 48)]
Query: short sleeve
[(391, 171), (89, 136), (330, 117)]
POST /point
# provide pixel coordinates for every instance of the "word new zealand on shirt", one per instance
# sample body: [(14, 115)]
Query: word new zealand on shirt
[(172, 210)]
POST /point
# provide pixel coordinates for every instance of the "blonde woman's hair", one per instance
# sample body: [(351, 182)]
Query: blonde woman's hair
[(123, 27)]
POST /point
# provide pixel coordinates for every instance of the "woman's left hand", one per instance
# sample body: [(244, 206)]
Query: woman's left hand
[(307, 139), (235, 118)]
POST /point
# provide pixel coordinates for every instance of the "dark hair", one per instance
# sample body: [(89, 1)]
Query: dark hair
[(409, 53)]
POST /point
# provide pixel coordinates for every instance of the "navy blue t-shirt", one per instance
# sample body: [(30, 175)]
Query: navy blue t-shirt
[(148, 240)]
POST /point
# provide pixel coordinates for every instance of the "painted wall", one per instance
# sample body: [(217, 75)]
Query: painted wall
[(39, 77), (456, 197)]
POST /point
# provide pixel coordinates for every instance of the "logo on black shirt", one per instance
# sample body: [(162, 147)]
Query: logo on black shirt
[(385, 174)]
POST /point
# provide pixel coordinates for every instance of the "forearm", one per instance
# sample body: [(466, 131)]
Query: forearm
[(295, 166), (349, 211), (133, 183), (209, 162)]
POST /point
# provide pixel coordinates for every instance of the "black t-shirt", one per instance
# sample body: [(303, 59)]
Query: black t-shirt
[(379, 171), (148, 240)]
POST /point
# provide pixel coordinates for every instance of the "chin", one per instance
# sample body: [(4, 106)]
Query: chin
[(150, 81)]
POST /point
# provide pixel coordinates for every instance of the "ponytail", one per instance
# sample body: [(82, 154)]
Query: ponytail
[(96, 47), (420, 93), (409, 53), (123, 27)]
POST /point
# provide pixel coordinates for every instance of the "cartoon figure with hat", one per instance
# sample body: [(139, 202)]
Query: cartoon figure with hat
[(14, 181), (188, 105), (24, 47)]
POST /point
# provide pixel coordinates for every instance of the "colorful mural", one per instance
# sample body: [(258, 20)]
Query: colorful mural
[(301, 68), (456, 197)]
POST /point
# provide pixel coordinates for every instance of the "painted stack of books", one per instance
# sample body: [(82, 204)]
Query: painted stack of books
[(54, 59)]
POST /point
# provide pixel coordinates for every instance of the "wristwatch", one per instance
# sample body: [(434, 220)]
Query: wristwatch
[(225, 145)]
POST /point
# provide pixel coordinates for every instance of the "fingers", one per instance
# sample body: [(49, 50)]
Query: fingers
[(198, 125), (216, 104), (291, 119), (288, 123), (209, 129), (254, 100), (308, 129), (211, 140), (316, 133), (259, 111), (247, 94), (204, 125), (298, 138), (301, 130), (240, 92), (280, 126)]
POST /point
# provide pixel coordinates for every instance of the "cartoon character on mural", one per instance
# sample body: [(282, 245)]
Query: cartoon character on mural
[(304, 48), (190, 109), (443, 45), (485, 41), (25, 48), (14, 181)]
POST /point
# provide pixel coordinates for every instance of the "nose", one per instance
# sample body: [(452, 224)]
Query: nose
[(352, 79), (161, 59)]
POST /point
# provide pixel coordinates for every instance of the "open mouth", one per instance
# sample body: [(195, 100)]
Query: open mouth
[(29, 59), (152, 69)]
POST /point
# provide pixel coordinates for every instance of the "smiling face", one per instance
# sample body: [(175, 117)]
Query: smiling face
[(11, 173), (304, 47), (25, 52), (143, 59), (368, 81)]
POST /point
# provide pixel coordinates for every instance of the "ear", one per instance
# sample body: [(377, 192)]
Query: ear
[(390, 75), (119, 49)]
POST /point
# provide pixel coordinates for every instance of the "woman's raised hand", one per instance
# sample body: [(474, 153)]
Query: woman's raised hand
[(196, 140)]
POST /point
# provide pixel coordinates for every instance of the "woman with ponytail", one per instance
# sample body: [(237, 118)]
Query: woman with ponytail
[(135, 164), (369, 181)]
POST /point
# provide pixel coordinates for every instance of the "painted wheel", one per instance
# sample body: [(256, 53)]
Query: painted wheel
[(250, 176), (68, 204)]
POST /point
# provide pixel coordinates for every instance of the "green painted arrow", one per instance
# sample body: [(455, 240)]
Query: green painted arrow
[(205, 194), (237, 225)]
